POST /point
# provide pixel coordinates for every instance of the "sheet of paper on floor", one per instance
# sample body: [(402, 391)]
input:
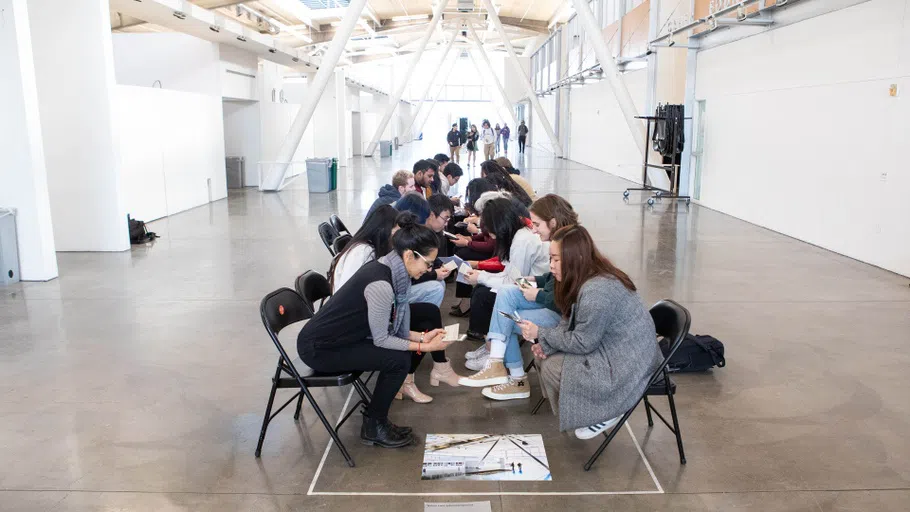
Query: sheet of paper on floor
[(470, 506), (489, 457)]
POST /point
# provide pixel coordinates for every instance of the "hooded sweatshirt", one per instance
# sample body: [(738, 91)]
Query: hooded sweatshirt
[(387, 195)]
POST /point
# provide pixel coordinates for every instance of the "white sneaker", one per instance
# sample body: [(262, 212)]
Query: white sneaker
[(595, 430), (476, 354), (492, 374), (477, 364), (514, 389)]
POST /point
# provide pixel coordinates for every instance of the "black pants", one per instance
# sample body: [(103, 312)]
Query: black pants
[(521, 143), (392, 366), (468, 254), (482, 301), (425, 317)]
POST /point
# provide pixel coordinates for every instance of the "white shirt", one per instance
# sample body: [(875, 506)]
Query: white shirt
[(488, 136), (528, 256), (350, 263)]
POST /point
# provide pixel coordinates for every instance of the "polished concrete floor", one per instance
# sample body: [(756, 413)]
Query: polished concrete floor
[(137, 381)]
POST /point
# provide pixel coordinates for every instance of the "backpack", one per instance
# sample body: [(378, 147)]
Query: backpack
[(139, 233), (696, 353)]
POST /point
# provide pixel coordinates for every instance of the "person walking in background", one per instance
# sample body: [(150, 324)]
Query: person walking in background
[(488, 136), (498, 131), (522, 136), (473, 136), (506, 133), (454, 140)]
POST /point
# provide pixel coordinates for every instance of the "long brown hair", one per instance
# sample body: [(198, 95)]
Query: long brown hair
[(551, 206), (581, 261)]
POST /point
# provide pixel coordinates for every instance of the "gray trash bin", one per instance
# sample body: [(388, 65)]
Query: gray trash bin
[(319, 174), (9, 247), (236, 171), (385, 148)]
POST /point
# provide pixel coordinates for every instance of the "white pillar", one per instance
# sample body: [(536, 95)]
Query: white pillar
[(611, 73), (526, 82), (341, 113), (492, 73), (23, 178), (274, 177), (399, 89), (409, 135), (77, 92), (442, 87)]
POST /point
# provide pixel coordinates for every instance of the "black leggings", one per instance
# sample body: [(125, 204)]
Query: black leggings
[(425, 317), (482, 302)]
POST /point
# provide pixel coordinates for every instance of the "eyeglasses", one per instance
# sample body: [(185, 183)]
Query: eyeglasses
[(421, 256)]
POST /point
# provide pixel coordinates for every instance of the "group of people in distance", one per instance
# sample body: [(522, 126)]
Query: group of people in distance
[(536, 276), (491, 138)]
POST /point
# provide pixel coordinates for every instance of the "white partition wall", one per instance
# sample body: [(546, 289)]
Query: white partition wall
[(23, 178), (74, 66)]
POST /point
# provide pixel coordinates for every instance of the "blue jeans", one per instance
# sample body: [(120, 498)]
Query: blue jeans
[(510, 299), (430, 292)]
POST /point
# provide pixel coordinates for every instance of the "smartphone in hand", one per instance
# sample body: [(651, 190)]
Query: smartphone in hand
[(513, 317)]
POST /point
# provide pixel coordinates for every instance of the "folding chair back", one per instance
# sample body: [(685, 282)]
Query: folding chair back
[(313, 287), (341, 242), (338, 225), (671, 321), (328, 235)]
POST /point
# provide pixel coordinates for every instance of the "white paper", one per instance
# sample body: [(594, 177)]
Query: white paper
[(489, 457), (461, 266), (451, 265), (470, 506), (452, 332)]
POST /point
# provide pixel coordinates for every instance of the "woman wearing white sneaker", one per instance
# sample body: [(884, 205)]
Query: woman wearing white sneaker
[(503, 375), (596, 363)]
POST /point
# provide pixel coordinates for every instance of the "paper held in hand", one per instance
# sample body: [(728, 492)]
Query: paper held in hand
[(450, 265), (452, 333)]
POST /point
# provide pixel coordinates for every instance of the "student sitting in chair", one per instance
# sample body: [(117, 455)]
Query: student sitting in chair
[(596, 363)]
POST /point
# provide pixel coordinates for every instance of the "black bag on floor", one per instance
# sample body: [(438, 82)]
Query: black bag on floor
[(139, 233), (697, 353)]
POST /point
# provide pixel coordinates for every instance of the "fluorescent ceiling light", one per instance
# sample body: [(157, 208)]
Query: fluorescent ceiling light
[(413, 17)]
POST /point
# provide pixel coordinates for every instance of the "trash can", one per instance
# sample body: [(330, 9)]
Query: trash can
[(334, 173), (385, 148), (319, 174), (235, 166), (9, 247)]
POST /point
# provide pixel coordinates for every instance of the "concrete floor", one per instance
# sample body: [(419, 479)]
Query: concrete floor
[(137, 381)]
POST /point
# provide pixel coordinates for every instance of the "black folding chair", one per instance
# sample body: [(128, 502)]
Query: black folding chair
[(278, 310), (341, 242), (328, 235), (338, 225)]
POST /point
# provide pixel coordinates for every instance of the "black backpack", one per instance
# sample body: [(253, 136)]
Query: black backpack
[(139, 233), (697, 353)]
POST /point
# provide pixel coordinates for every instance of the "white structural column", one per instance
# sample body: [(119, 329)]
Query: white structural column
[(274, 177), (526, 82), (408, 133), (492, 74), (80, 139), (342, 117), (23, 177), (442, 87), (611, 73), (399, 90), (502, 104)]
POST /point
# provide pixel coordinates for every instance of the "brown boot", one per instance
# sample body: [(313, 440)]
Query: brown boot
[(409, 389), (443, 372)]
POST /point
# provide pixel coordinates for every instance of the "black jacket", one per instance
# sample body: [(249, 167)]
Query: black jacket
[(454, 138), (388, 194)]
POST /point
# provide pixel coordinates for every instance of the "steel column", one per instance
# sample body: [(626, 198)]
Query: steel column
[(526, 82), (396, 97), (274, 178)]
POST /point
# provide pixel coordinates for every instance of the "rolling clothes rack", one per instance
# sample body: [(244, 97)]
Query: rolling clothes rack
[(668, 139)]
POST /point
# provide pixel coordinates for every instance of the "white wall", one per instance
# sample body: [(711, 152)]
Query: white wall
[(74, 68), (23, 174), (172, 146), (242, 132), (239, 71), (179, 61), (802, 136), (598, 133)]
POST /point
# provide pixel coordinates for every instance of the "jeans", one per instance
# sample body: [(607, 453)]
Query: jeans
[(430, 292), (509, 299), (505, 144), (498, 142)]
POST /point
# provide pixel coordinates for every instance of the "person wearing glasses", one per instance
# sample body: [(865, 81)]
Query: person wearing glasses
[(368, 325)]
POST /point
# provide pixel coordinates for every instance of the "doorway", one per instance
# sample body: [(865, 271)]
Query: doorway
[(356, 134)]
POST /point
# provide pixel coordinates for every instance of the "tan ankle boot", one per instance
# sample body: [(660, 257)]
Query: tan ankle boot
[(409, 389), (443, 372)]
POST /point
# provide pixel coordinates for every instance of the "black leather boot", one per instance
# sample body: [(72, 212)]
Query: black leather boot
[(383, 433)]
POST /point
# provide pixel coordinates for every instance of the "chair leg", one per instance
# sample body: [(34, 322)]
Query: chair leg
[(610, 436), (679, 443), (530, 365), (363, 391), (538, 405), (328, 427), (268, 411), (299, 404), (648, 412)]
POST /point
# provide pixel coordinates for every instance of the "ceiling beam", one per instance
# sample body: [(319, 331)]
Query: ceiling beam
[(211, 5)]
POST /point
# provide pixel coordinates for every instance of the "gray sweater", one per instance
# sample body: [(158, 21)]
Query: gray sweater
[(610, 348)]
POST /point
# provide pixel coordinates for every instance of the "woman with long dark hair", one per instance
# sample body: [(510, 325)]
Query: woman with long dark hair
[(473, 136), (369, 243), (367, 325), (597, 362), (505, 181), (502, 374)]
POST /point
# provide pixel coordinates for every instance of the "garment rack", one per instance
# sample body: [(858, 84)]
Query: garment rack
[(673, 167)]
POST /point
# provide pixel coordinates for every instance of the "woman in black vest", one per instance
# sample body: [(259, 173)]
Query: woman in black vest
[(366, 325)]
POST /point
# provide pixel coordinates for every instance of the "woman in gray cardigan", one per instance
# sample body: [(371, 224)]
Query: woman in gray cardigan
[(596, 363)]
